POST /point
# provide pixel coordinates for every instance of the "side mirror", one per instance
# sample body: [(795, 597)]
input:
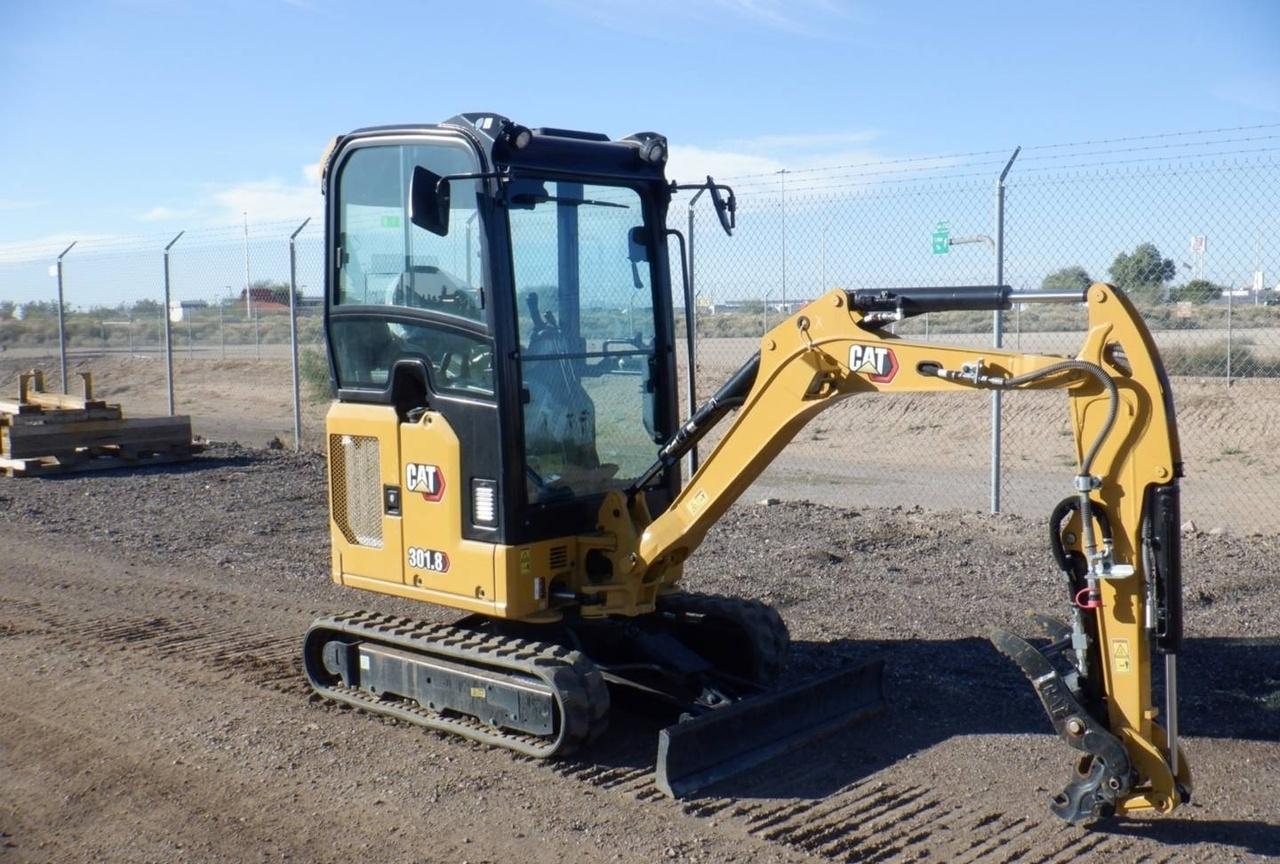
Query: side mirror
[(429, 201), (637, 245), (637, 253), (726, 210)]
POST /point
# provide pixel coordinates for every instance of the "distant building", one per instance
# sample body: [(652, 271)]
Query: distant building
[(709, 307)]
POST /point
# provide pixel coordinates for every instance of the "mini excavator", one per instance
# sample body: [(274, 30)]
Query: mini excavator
[(506, 443)]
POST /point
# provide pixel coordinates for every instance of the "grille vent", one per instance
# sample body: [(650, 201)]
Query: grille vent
[(355, 478), (559, 557)]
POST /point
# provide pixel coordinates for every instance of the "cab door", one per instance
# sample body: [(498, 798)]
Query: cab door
[(441, 565)]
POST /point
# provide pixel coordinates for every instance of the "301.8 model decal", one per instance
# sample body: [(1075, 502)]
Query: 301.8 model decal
[(431, 560)]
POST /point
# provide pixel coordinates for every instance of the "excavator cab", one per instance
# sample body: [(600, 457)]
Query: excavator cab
[(517, 282)]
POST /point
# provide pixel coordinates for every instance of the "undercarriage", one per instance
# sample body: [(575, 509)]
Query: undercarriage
[(544, 690)]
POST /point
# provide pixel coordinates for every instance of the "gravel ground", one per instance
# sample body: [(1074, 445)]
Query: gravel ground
[(151, 709)]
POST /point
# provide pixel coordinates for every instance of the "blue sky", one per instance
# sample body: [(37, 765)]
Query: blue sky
[(143, 117)]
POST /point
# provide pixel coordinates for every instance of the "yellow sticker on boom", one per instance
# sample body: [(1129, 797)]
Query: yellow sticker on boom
[(526, 561), (697, 502), (1122, 660)]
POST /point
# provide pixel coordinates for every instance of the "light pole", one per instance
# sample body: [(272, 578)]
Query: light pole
[(783, 172), (168, 325), (62, 326)]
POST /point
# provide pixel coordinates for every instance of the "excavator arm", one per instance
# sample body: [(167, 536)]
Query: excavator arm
[(1115, 535)]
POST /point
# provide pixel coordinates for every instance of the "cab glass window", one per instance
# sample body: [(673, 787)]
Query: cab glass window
[(388, 261), (586, 323)]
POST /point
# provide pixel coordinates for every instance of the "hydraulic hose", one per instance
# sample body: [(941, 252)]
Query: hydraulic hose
[(1103, 378)]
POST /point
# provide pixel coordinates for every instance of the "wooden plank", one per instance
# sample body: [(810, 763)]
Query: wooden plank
[(38, 467), (44, 418), (63, 400), (96, 425), (141, 433), (10, 407)]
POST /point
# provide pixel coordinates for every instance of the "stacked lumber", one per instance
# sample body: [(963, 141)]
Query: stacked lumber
[(44, 433)]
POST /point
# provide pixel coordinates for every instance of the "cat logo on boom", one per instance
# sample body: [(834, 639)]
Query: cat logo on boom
[(427, 479), (875, 361)]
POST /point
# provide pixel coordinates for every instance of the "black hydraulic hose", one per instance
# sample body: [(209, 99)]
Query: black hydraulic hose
[(732, 394), (1066, 507)]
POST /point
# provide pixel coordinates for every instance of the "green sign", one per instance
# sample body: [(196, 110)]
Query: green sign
[(942, 239), (390, 221)]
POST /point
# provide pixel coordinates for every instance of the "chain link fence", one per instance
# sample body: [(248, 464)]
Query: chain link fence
[(1188, 224)]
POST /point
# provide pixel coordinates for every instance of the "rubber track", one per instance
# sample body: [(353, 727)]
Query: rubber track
[(579, 689), (762, 624)]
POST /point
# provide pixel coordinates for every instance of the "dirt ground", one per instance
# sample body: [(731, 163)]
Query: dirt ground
[(152, 708)]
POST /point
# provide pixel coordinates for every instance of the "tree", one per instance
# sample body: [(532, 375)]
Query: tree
[(1073, 278), (1196, 291), (1142, 274), (147, 307)]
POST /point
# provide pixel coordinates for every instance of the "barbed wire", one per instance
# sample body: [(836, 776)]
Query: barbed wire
[(1007, 151), (931, 169)]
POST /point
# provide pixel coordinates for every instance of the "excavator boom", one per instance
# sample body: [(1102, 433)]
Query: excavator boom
[(1115, 535)]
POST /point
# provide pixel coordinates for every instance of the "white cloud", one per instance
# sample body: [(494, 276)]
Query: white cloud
[(270, 200), (690, 164), (17, 204), (49, 246), (756, 158), (1256, 94), (809, 18), (804, 141), (166, 214), (267, 201)]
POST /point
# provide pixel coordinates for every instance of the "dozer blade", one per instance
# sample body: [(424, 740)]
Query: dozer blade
[(704, 750)]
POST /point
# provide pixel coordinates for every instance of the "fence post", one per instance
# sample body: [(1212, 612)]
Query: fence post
[(293, 334), (1230, 299), (62, 324), (997, 334), (168, 328)]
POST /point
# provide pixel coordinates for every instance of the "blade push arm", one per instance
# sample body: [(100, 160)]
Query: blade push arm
[(1127, 448)]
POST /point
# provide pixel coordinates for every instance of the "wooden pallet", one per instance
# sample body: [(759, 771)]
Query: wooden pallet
[(47, 433)]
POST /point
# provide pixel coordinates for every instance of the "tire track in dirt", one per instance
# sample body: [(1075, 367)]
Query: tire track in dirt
[(871, 821), (867, 821), (271, 662)]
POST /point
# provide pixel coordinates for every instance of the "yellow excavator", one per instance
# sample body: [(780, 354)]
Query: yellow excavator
[(506, 442)]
